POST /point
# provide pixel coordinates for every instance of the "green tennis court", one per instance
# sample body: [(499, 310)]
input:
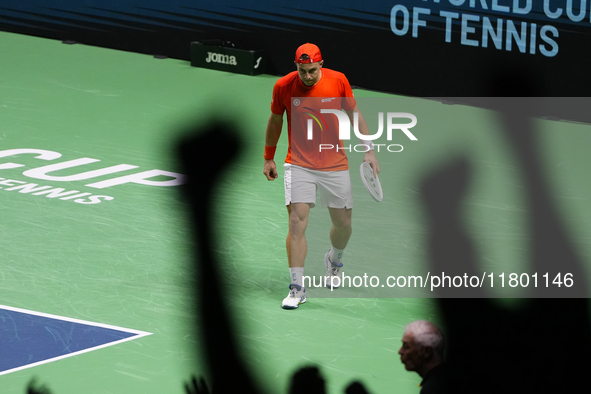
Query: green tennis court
[(124, 257)]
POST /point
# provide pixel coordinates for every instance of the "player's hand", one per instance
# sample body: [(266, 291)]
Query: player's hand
[(196, 386), (356, 388), (32, 388), (270, 170), (370, 157)]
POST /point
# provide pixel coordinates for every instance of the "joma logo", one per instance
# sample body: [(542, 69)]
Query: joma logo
[(221, 58)]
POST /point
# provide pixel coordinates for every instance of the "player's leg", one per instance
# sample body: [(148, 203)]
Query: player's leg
[(297, 248), (296, 235), (341, 230), (298, 187), (336, 193), (340, 233)]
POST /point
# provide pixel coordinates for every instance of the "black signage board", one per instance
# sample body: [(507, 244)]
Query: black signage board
[(227, 58)]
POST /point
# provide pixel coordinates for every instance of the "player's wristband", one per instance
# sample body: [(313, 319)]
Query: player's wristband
[(270, 152), (367, 143)]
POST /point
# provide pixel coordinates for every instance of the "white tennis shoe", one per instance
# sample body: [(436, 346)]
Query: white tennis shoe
[(296, 296), (333, 271)]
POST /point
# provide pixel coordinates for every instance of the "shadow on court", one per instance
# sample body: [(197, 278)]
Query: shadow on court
[(536, 348), (531, 349)]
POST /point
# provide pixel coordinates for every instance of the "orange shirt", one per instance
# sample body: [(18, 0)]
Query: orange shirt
[(289, 94)]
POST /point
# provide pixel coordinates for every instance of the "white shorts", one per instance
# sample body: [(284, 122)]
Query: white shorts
[(302, 185)]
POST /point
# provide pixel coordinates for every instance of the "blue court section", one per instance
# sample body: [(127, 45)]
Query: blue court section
[(28, 339)]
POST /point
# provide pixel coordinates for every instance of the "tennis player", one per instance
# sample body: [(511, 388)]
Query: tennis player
[(307, 171)]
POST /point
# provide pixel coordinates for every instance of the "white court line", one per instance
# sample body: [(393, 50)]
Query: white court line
[(138, 334)]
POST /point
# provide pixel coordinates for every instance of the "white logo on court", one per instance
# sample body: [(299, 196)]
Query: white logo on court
[(296, 102)]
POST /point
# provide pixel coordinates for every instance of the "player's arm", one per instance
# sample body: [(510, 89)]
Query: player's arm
[(370, 155), (272, 134)]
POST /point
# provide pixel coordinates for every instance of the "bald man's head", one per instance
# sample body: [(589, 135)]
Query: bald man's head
[(422, 347)]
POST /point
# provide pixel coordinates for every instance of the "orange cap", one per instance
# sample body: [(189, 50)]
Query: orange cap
[(308, 53)]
